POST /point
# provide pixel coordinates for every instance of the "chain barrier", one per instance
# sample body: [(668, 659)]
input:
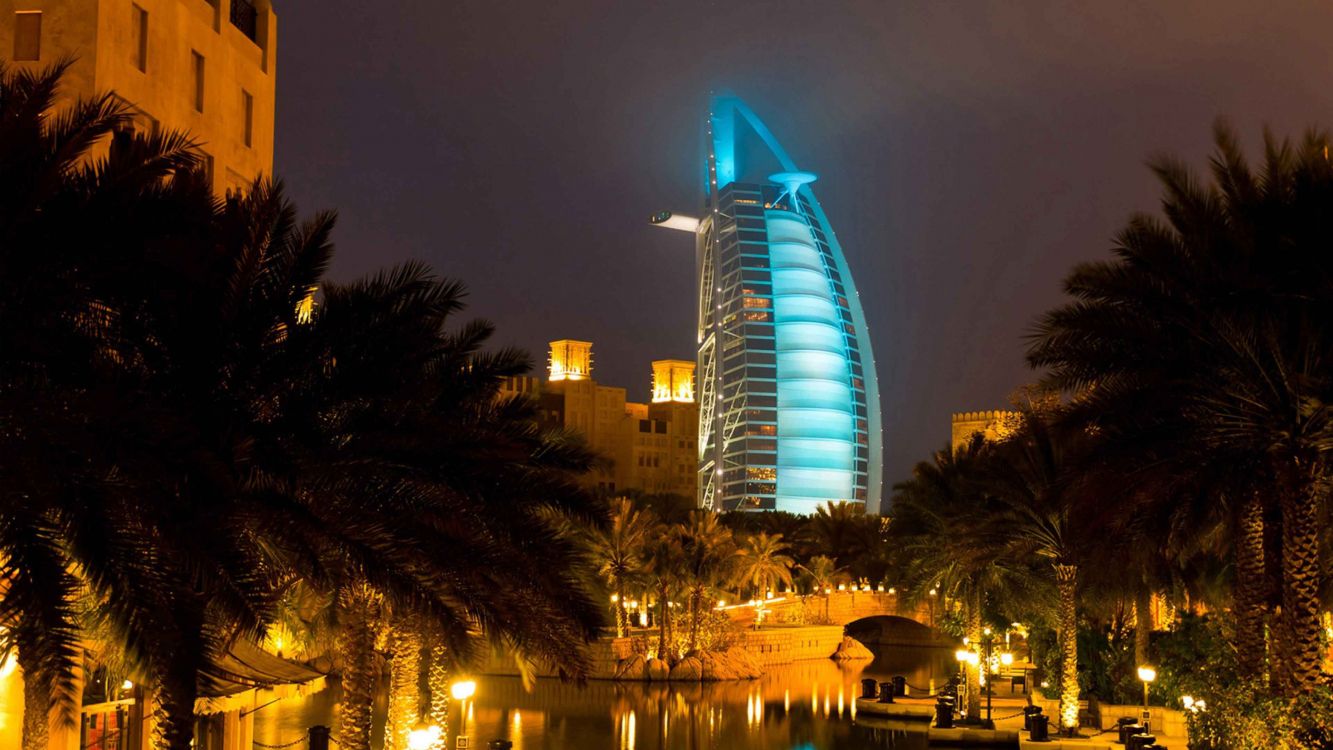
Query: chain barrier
[(927, 691), (267, 746)]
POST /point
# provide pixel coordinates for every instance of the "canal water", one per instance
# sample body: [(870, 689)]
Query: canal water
[(808, 705)]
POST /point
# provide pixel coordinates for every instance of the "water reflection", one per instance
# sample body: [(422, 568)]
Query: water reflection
[(802, 706)]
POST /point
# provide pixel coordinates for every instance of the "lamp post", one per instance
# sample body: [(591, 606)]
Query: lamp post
[(462, 691), (1147, 674)]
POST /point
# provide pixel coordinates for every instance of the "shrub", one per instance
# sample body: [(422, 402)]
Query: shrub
[(1244, 716)]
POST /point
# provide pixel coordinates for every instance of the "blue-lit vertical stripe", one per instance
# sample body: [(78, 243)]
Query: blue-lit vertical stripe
[(816, 412)]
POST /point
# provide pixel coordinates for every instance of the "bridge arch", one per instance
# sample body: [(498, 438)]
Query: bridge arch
[(840, 608), (896, 630)]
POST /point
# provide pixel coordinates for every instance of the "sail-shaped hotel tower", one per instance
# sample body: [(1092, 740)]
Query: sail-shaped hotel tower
[(788, 400)]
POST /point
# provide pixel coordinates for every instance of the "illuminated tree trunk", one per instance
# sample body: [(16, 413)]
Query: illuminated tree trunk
[(437, 681), (37, 702), (356, 646), (1142, 624), (404, 678), (1250, 596), (177, 680), (663, 620), (1066, 580), (973, 603), (622, 614), (696, 613), (1299, 637)]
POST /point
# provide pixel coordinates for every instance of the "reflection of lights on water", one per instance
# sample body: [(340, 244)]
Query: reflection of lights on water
[(786, 701), (628, 724), (516, 729), (840, 696), (814, 699)]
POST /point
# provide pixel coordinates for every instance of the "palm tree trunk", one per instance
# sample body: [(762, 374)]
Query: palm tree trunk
[(437, 680), (622, 614), (36, 702), (696, 603), (173, 710), (1066, 580), (356, 647), (1250, 595), (973, 603), (1298, 633), (1142, 623), (663, 607), (404, 676)]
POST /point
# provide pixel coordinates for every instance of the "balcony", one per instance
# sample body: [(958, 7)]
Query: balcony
[(245, 17)]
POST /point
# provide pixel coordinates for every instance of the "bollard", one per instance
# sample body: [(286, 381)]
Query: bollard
[(499, 745), (868, 687), (885, 692), (1038, 728), (1140, 741), (1029, 714), (1120, 724), (319, 737), (944, 712), (1132, 728), (899, 686)]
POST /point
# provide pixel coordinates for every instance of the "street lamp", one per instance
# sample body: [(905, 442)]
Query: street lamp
[(462, 691), (1147, 674)]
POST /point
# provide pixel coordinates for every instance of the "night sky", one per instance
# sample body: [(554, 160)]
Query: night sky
[(968, 154)]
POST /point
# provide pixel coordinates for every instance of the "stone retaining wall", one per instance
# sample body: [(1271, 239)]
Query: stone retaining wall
[(784, 645), (769, 646), (1168, 721)]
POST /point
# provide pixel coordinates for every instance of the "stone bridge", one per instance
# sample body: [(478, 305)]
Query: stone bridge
[(872, 617)]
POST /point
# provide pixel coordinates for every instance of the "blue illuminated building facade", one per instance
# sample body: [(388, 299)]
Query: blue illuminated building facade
[(789, 403)]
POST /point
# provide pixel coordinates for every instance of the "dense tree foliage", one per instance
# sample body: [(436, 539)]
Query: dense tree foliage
[(187, 430)]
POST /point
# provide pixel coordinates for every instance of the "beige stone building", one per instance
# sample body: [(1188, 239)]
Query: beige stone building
[(205, 67), (645, 447), (993, 425)]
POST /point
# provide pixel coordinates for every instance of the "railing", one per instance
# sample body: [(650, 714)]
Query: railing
[(245, 17)]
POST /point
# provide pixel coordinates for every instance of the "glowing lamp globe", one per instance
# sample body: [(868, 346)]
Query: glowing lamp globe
[(423, 737), (1147, 674), (463, 689)]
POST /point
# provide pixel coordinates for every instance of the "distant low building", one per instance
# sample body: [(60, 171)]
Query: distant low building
[(650, 448), (993, 425)]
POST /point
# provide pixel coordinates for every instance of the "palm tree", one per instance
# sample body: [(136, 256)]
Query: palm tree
[(618, 550), (708, 557), (764, 563), (182, 440), (1223, 309), (1046, 505), (663, 556), (824, 574), (947, 542), (69, 226)]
